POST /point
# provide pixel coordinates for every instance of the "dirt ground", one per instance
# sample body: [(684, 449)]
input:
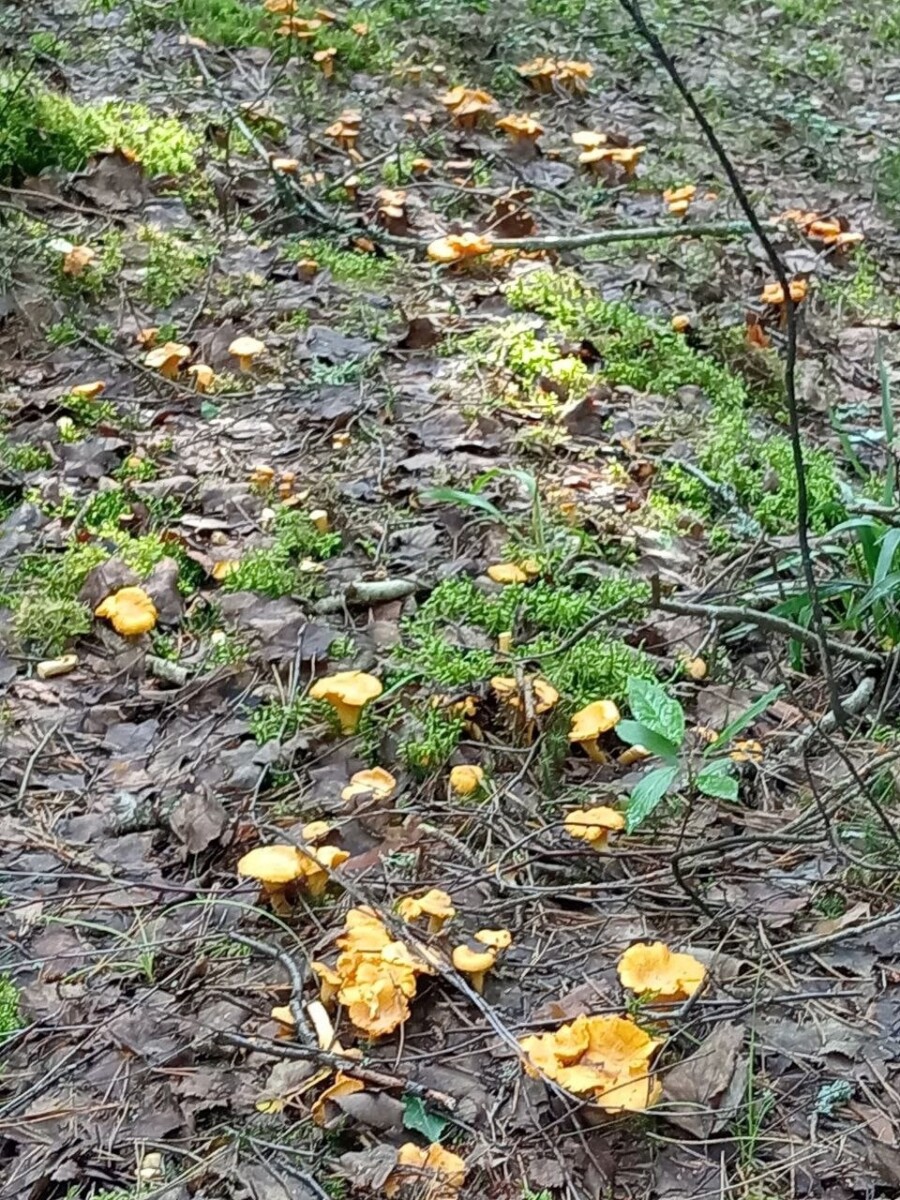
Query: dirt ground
[(552, 477)]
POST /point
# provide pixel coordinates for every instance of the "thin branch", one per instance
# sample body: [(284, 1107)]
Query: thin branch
[(662, 56), (733, 614)]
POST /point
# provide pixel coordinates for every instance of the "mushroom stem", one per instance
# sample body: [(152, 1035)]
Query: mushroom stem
[(477, 979), (593, 751), (435, 924)]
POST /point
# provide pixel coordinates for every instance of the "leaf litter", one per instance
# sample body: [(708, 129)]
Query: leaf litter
[(376, 437)]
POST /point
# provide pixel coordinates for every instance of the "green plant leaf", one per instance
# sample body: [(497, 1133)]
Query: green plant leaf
[(646, 795), (652, 706), (739, 724), (636, 734), (464, 500), (423, 1120), (717, 780)]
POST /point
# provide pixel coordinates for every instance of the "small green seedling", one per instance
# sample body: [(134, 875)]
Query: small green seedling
[(660, 728)]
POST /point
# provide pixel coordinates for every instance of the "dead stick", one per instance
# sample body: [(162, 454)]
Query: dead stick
[(735, 613)]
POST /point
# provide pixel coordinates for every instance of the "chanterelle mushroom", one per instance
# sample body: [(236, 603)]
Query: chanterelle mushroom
[(653, 967), (590, 722), (246, 349), (436, 905), (593, 825), (167, 358), (130, 611), (475, 961), (348, 692)]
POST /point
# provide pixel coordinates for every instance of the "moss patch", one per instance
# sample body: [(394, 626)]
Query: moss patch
[(42, 129), (639, 354)]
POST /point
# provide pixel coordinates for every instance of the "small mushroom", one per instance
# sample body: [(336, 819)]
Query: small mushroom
[(345, 130), (88, 390), (589, 723), (507, 573), (51, 667), (130, 611), (436, 905), (497, 939), (679, 199), (319, 518), (301, 28), (77, 259), (348, 692), (573, 75), (466, 105), (521, 128), (652, 967), (245, 349), (286, 166), (593, 825), (773, 293), (324, 59), (457, 246), (475, 960), (376, 782), (589, 139), (539, 72), (465, 779), (681, 322), (204, 376), (746, 750), (167, 358)]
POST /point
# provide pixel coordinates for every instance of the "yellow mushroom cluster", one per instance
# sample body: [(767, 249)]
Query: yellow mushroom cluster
[(375, 977), (456, 247), (283, 869), (467, 105), (831, 231), (546, 74), (606, 1059), (432, 1174)]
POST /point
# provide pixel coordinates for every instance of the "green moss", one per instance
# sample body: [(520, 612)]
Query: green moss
[(23, 456), (637, 353), (46, 624), (346, 266), (431, 737), (540, 615), (42, 129), (278, 721), (276, 570), (10, 1020), (174, 266)]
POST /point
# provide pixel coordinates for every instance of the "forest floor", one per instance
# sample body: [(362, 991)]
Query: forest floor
[(504, 488)]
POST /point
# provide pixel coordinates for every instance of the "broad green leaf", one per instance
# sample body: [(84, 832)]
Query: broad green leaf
[(646, 795), (636, 734), (717, 780), (423, 1120), (652, 706), (739, 724)]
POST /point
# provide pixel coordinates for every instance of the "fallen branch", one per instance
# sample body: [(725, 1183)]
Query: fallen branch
[(301, 1024), (735, 614), (340, 1062)]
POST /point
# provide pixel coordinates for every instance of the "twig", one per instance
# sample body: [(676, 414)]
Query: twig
[(293, 973), (854, 704), (600, 237), (340, 1061), (735, 613), (806, 945), (600, 618), (662, 56)]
